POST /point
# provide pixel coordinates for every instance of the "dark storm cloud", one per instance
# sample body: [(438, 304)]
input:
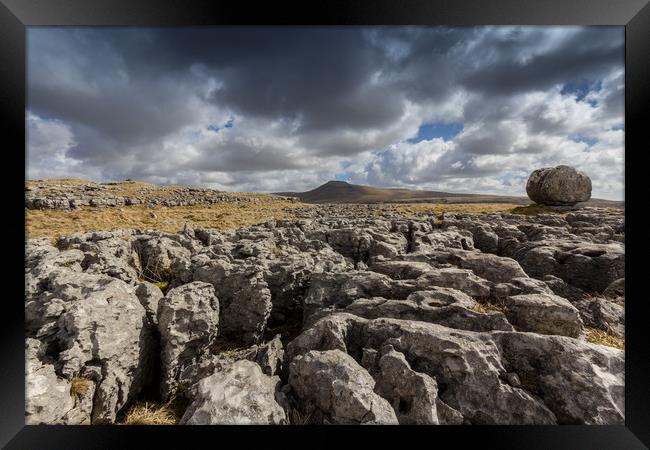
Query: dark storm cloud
[(311, 74), (587, 54)]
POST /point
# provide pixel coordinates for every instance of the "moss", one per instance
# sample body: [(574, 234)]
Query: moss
[(596, 336), (162, 285), (161, 278), (166, 274)]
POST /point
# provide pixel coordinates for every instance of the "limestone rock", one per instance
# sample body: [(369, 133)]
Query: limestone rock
[(560, 185), (102, 325), (581, 383), (149, 295), (543, 313), (188, 318), (412, 395), (338, 388), (240, 394)]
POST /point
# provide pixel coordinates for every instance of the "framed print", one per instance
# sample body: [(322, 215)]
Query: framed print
[(411, 215)]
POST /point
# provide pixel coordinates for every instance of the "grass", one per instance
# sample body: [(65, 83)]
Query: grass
[(54, 223), (220, 216), (152, 413), (596, 336), (226, 347), (488, 307), (55, 181), (534, 209), (295, 417), (416, 209), (160, 277), (79, 387)]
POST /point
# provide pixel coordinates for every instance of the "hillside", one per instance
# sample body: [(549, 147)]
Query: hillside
[(343, 192)]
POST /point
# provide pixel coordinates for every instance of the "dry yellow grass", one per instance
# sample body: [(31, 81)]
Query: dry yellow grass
[(295, 417), (220, 216), (150, 414), (596, 336), (416, 209), (55, 181), (534, 209), (79, 387), (262, 207)]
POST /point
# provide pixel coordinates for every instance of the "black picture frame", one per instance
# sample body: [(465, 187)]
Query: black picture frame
[(16, 15)]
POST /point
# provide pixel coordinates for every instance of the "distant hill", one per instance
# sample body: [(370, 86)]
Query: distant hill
[(343, 192)]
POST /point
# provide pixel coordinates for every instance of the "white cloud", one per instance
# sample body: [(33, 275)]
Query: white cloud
[(112, 104)]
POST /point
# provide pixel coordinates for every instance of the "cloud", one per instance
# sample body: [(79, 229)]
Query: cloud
[(308, 104)]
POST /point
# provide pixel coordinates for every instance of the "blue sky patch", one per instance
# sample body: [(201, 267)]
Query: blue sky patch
[(345, 175), (581, 88), (445, 131), (216, 128), (590, 141)]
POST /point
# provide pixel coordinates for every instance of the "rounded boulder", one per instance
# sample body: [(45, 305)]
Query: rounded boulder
[(558, 186)]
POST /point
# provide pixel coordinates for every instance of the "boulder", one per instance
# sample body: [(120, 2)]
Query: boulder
[(543, 313), (50, 399), (581, 383), (188, 318), (240, 394), (497, 269), (149, 295), (615, 289), (269, 356), (331, 384), (560, 185), (603, 314), (466, 363), (244, 298), (413, 395), (423, 309), (100, 329), (340, 289), (463, 280)]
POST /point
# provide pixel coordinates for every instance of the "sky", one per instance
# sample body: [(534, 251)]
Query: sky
[(267, 109)]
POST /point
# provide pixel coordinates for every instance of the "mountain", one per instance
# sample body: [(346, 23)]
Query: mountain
[(343, 192)]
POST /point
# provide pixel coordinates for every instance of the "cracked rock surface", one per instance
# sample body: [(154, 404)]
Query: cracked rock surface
[(350, 314)]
